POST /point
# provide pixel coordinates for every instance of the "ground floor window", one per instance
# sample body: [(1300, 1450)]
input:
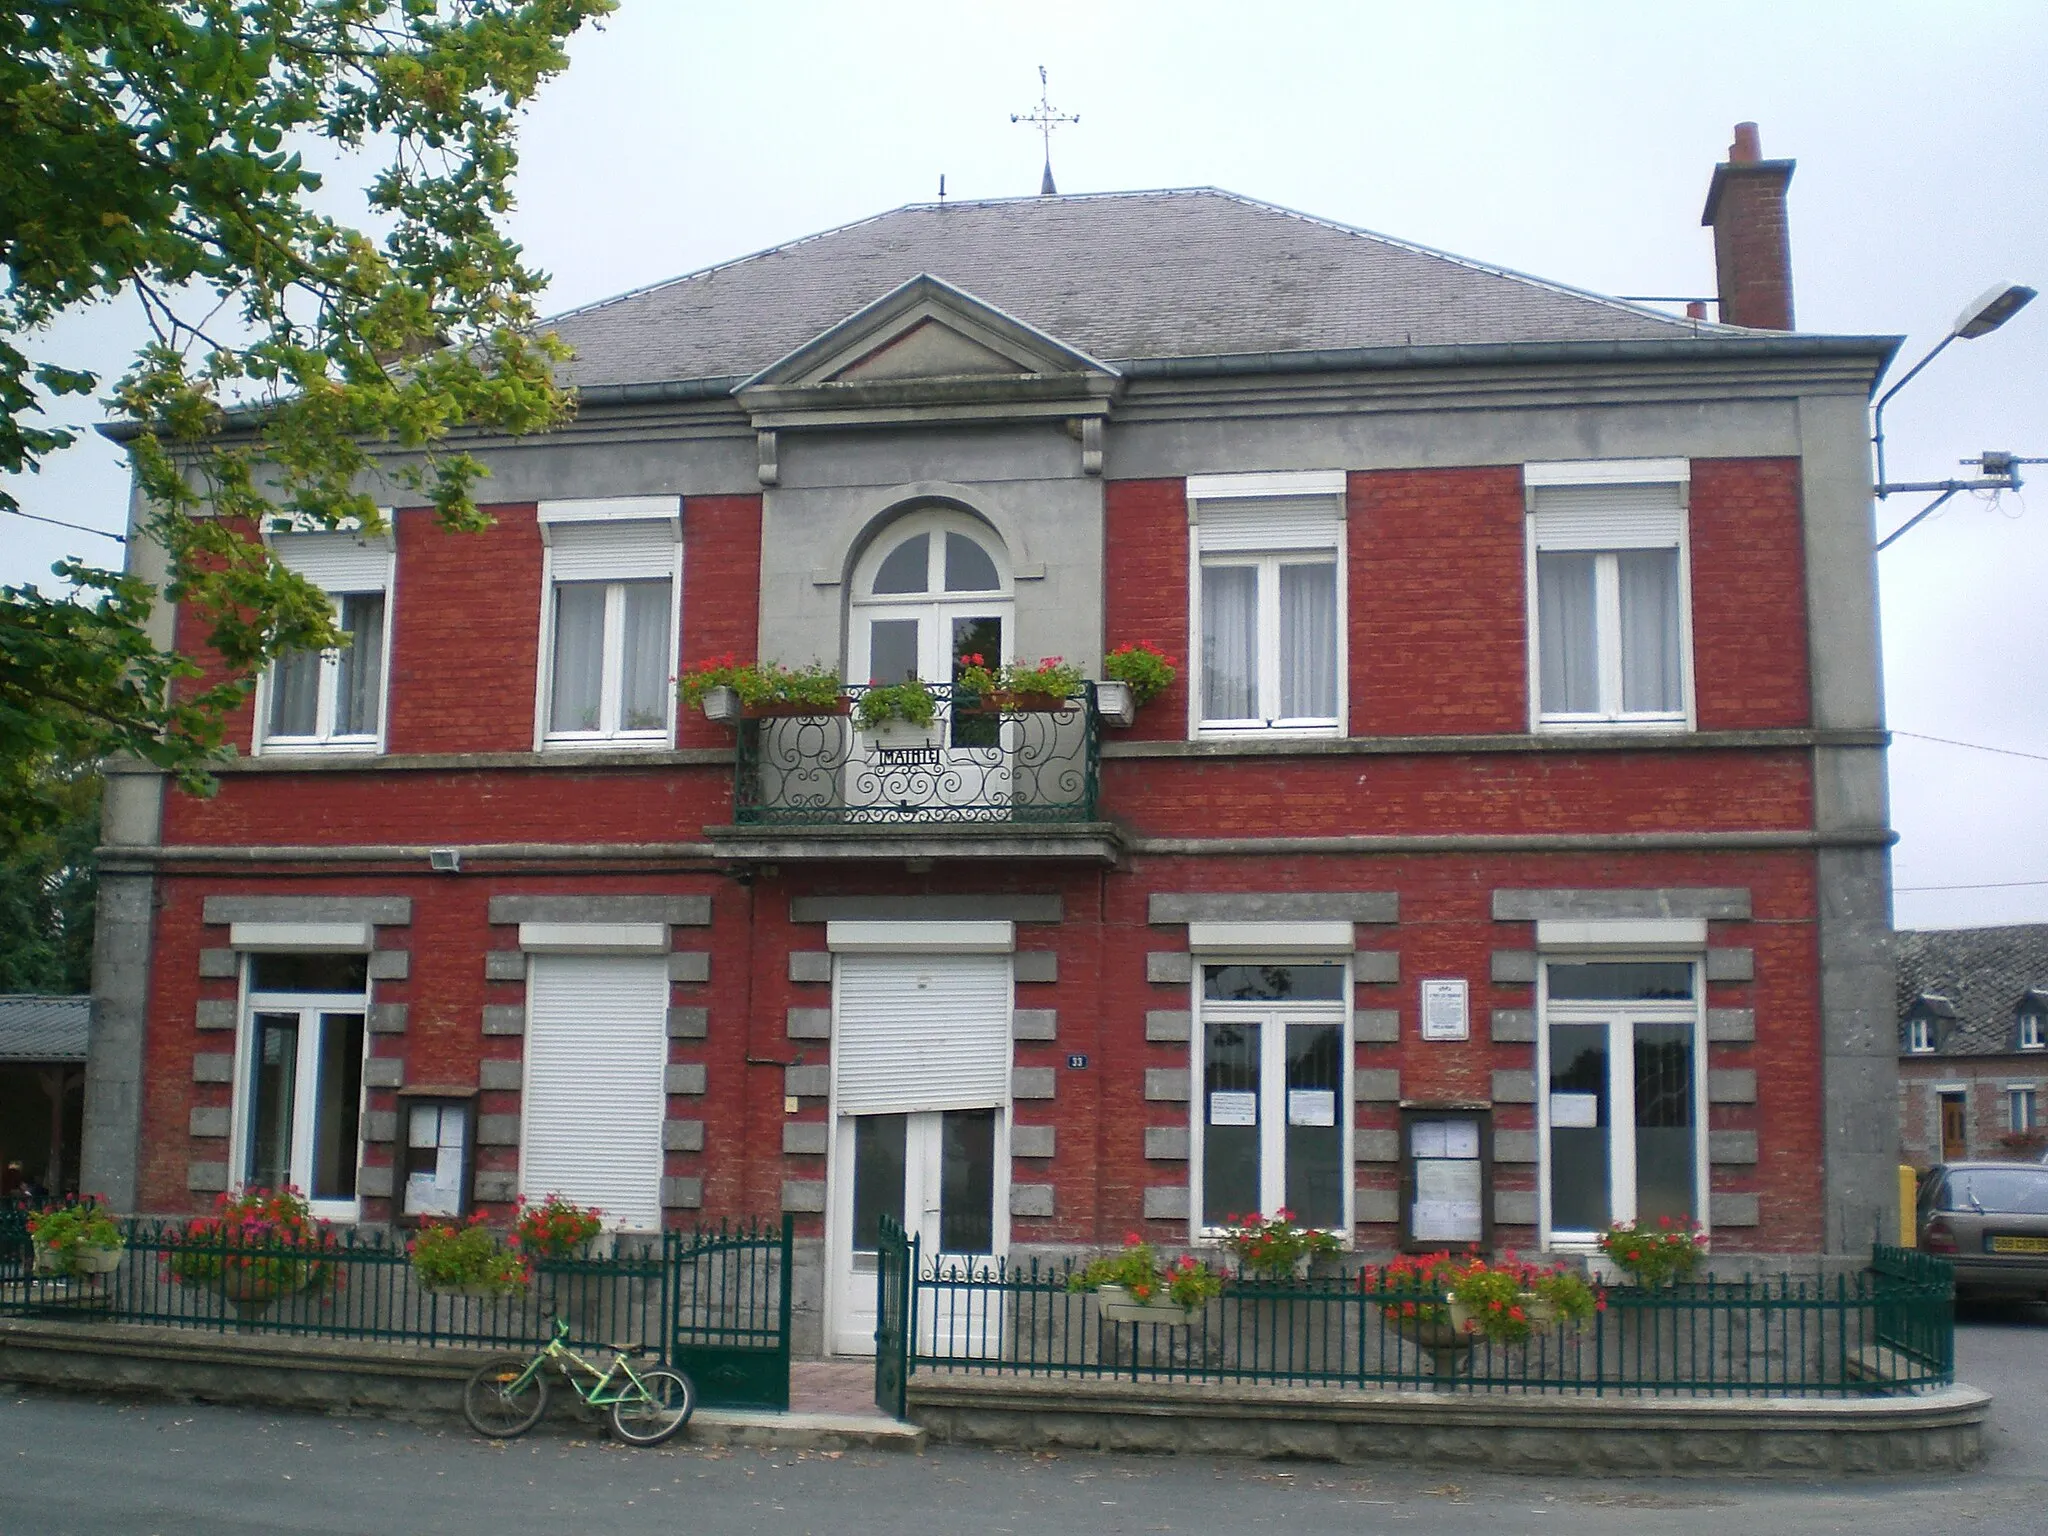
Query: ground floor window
[(1271, 1127), (301, 1081), (596, 1048), (1622, 1110), (2023, 1109)]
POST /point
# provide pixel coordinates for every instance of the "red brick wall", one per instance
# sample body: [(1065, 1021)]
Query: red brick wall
[(721, 596), (1987, 1119), (1145, 589), (1100, 1113), (465, 634), (1748, 595), (1439, 614)]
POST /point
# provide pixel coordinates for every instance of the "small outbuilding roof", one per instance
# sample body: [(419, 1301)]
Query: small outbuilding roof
[(37, 1028)]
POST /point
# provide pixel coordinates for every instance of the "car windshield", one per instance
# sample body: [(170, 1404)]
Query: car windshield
[(2014, 1191)]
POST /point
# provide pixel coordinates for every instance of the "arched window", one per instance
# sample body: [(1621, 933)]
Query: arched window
[(931, 590)]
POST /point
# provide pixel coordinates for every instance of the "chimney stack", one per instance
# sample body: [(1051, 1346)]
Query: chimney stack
[(1752, 245)]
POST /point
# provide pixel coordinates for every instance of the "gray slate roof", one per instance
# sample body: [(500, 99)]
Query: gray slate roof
[(1189, 273), (1981, 974), (36, 1028)]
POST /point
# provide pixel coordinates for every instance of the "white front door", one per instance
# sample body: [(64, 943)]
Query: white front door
[(303, 1098), (935, 1173)]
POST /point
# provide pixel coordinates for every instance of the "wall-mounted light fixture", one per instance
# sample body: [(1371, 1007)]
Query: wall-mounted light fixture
[(445, 861)]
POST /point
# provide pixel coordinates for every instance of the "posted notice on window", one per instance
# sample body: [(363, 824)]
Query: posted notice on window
[(1311, 1106), (1446, 1208), (1230, 1108)]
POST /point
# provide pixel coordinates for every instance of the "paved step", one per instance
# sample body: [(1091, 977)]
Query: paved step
[(803, 1431)]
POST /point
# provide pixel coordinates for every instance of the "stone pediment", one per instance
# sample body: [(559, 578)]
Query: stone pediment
[(927, 352)]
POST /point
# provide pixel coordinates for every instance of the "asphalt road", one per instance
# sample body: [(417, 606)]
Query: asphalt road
[(85, 1467)]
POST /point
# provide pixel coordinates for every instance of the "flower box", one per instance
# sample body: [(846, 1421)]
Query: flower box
[(1013, 704), (1540, 1314), (1120, 1306), (1115, 703), (794, 709), (721, 705), (81, 1260)]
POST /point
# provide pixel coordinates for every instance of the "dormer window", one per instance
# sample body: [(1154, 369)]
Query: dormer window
[(2033, 1030), (1920, 1037)]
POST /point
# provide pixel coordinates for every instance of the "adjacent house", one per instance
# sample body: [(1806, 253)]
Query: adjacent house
[(1973, 1043), (42, 1082), (1507, 858)]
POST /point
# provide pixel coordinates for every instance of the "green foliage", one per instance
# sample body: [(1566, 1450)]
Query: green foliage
[(1148, 670), (1659, 1255), (1273, 1247), (258, 1242), (556, 1228), (62, 1231), (1053, 677), (909, 701), (1186, 1281), (466, 1258), (766, 682), (158, 148), (48, 886)]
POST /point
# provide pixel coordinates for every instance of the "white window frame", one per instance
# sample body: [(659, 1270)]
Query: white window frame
[(1920, 1036), (1319, 485), (1272, 1081), (249, 1003), (1621, 1157), (2033, 1031), (2018, 1097), (324, 741), (1607, 596), (638, 509)]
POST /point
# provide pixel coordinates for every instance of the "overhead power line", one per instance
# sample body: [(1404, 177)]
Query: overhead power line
[(1974, 746), (58, 522), (1981, 885)]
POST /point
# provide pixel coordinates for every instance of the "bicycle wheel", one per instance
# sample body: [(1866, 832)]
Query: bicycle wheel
[(662, 1407), (499, 1403)]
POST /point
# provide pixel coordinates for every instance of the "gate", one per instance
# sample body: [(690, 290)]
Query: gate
[(729, 1300), (895, 1319)]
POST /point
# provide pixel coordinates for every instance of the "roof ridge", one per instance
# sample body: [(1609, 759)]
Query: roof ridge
[(1639, 311)]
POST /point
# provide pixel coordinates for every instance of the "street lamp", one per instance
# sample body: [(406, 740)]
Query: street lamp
[(1983, 315)]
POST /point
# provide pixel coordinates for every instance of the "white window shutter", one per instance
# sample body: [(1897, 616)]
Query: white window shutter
[(596, 1046), (1269, 522), (629, 551), (921, 1032), (335, 562), (1609, 516)]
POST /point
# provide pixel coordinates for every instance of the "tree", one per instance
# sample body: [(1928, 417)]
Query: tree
[(48, 887), (157, 148)]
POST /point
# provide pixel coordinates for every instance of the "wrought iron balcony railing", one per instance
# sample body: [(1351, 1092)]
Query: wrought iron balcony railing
[(1032, 762)]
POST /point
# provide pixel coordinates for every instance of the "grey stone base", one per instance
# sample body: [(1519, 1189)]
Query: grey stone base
[(1938, 1432)]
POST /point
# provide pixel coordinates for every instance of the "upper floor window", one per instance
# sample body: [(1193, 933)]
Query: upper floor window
[(2033, 1031), (332, 700), (1920, 1037), (608, 626), (1268, 555), (1610, 621)]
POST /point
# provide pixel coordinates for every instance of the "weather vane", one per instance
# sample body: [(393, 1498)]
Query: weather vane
[(1045, 119)]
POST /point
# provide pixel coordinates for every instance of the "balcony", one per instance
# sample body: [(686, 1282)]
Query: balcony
[(1009, 779)]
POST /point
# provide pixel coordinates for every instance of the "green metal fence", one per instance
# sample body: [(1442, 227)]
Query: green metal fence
[(1887, 1329), (715, 1300)]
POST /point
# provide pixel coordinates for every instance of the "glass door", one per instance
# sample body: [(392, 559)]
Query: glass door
[(936, 1174), (1271, 1117), (1623, 1118), (303, 1102)]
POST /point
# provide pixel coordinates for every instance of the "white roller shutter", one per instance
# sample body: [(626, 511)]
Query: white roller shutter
[(596, 1047), (632, 551), (1269, 522), (919, 1032), (335, 562), (1609, 516)]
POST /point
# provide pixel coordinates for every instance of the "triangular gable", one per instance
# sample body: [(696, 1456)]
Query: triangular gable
[(926, 329)]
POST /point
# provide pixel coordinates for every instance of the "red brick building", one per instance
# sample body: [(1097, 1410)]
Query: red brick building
[(1508, 857), (1973, 1043)]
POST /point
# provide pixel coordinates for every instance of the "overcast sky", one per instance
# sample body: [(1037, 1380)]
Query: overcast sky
[(1571, 141)]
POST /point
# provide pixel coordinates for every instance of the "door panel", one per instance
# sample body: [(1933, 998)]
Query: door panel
[(1955, 1138), (337, 1107), (1580, 1171), (273, 1082)]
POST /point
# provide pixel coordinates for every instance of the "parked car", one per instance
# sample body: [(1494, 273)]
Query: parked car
[(1991, 1221)]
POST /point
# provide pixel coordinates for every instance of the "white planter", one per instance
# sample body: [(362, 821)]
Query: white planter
[(1115, 703), (1119, 1306), (721, 705)]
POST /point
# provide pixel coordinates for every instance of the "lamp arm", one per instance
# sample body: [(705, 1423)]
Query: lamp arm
[(1877, 421)]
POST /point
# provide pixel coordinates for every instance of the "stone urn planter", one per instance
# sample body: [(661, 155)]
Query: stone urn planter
[(251, 1295), (1448, 1346)]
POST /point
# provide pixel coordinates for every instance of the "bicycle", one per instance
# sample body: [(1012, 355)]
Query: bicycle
[(508, 1394)]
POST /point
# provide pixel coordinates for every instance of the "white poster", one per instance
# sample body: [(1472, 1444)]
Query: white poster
[(1446, 1011), (427, 1195), (1461, 1138), (1311, 1106), (1233, 1109), (1426, 1138), (1575, 1111), (424, 1127), (1446, 1208)]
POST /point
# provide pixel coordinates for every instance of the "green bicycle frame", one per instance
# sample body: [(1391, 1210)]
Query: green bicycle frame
[(602, 1391)]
